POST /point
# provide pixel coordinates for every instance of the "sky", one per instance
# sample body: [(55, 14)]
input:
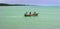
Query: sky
[(33, 2)]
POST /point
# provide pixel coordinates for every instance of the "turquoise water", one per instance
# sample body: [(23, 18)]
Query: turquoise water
[(12, 17)]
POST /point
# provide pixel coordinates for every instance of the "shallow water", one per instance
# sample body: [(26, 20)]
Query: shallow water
[(12, 17)]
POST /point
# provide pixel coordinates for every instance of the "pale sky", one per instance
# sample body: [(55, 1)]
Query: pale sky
[(33, 2)]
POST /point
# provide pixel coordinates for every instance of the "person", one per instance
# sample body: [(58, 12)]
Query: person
[(30, 13), (34, 13)]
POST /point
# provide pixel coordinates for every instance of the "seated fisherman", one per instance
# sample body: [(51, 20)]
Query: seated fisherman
[(34, 13), (30, 13)]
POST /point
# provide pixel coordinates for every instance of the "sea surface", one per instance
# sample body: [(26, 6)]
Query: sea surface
[(12, 17)]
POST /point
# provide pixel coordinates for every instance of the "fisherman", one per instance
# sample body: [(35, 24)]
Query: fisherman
[(34, 13), (30, 13)]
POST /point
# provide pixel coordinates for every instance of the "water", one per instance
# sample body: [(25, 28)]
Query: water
[(12, 17)]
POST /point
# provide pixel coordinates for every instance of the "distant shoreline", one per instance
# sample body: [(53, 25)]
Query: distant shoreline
[(4, 4)]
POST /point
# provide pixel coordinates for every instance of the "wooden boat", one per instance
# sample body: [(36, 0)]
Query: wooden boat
[(31, 14)]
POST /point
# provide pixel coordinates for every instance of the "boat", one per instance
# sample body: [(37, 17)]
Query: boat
[(31, 14)]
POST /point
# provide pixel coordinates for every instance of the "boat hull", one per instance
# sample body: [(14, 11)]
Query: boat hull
[(31, 15)]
